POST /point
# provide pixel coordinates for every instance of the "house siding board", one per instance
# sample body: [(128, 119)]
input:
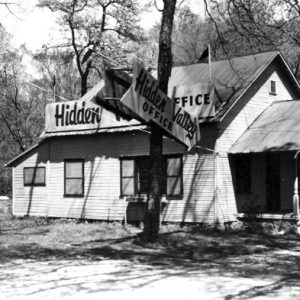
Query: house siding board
[(226, 200), (253, 103), (30, 200), (197, 204), (101, 154), (235, 123)]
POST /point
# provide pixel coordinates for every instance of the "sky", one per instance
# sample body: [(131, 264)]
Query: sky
[(34, 26)]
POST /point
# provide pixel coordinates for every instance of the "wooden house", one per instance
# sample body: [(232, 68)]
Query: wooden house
[(97, 169)]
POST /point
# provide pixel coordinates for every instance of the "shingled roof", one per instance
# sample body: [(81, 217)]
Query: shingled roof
[(231, 77), (276, 129)]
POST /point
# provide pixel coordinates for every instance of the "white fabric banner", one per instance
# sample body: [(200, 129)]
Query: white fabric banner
[(197, 99), (146, 100)]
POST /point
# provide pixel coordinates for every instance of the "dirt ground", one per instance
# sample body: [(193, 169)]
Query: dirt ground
[(77, 261)]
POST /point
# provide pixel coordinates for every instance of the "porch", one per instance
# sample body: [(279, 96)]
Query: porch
[(265, 165)]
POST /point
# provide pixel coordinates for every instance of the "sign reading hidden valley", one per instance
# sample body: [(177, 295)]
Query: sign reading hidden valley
[(146, 99)]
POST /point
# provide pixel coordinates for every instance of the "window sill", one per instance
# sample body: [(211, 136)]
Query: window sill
[(143, 198), (175, 197), (73, 196), (140, 199)]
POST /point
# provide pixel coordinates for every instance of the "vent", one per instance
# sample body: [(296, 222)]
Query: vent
[(273, 87)]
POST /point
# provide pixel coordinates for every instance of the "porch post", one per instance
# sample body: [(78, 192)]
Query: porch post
[(296, 191), (296, 198)]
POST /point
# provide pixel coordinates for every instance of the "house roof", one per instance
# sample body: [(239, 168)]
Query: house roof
[(128, 128), (231, 77), (276, 129)]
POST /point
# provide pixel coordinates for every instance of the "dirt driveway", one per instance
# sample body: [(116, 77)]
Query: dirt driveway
[(43, 263)]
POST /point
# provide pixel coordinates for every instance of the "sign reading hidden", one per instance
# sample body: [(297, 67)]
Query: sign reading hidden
[(146, 99), (83, 114)]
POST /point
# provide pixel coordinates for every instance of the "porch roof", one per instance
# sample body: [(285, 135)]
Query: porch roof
[(276, 129)]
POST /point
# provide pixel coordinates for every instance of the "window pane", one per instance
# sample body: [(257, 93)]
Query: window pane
[(127, 168), (40, 176), (173, 166), (74, 169), (34, 176), (173, 186), (28, 175), (128, 186), (143, 169), (74, 187)]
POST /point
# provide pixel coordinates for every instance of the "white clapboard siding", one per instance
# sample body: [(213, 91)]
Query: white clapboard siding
[(101, 155), (197, 204), (242, 115), (234, 124), (30, 200)]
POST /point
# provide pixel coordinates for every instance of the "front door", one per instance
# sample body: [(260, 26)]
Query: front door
[(272, 182)]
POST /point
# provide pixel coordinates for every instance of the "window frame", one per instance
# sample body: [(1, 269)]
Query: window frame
[(82, 178), (33, 183), (121, 175), (273, 87), (135, 177), (180, 195)]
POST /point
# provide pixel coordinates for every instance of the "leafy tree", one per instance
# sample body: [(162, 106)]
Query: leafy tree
[(21, 108), (58, 73), (190, 36)]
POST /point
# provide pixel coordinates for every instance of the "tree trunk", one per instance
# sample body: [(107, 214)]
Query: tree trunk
[(153, 212)]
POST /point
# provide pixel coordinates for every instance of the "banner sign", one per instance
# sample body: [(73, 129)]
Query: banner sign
[(72, 116), (83, 114), (197, 99), (146, 100)]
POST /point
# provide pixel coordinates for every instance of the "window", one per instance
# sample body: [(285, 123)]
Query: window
[(243, 173), (174, 178), (34, 176), (74, 178), (273, 87), (135, 176)]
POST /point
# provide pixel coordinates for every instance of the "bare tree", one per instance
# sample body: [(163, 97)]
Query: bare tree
[(93, 27), (245, 25)]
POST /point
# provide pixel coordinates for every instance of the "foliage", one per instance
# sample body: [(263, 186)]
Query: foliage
[(93, 28), (190, 37), (58, 73), (21, 109), (247, 26)]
